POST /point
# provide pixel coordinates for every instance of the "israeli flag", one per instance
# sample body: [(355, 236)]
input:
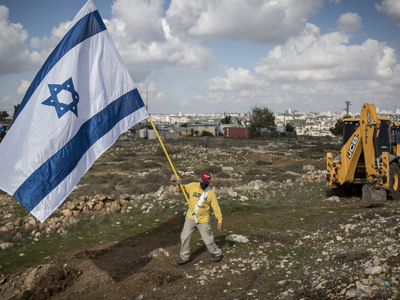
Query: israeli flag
[(81, 100)]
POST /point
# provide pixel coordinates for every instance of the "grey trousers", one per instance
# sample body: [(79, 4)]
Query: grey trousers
[(206, 234)]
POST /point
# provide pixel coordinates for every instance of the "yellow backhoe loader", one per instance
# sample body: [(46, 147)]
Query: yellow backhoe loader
[(368, 159)]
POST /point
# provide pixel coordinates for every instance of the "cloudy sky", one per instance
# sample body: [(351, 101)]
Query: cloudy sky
[(208, 56)]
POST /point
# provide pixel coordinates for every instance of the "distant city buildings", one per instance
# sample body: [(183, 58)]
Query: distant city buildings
[(305, 123)]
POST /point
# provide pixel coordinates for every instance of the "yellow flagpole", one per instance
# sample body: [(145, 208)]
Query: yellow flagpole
[(172, 166)]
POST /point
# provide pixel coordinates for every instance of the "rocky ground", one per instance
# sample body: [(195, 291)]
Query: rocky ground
[(283, 237)]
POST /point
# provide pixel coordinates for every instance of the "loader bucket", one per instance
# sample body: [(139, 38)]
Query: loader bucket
[(372, 197)]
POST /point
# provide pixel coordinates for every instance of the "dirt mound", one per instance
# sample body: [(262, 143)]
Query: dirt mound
[(157, 278), (39, 282), (171, 219)]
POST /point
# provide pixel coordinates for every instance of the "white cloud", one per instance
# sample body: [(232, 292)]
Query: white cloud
[(310, 72), (349, 22), (395, 80), (241, 100), (262, 21), (149, 89), (315, 57), (23, 87), (236, 80), (50, 42), (391, 8), (56, 34), (7, 104), (139, 20), (239, 89), (332, 95), (145, 41), (4, 100), (148, 41), (35, 43), (138, 28), (14, 54), (156, 99)]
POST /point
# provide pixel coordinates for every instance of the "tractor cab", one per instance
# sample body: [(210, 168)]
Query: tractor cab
[(384, 134), (395, 137), (349, 126)]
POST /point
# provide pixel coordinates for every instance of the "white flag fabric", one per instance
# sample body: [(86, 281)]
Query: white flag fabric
[(81, 100)]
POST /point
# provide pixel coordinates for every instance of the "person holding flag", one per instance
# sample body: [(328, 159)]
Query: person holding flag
[(201, 197)]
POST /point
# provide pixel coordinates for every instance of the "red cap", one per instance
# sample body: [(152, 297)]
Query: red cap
[(206, 177)]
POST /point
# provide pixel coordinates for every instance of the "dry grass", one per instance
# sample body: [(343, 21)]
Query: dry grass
[(263, 163), (150, 164), (127, 167), (143, 188), (127, 153), (296, 168), (222, 183), (253, 172), (208, 169), (350, 257), (96, 189), (160, 151), (167, 172), (223, 174), (118, 158)]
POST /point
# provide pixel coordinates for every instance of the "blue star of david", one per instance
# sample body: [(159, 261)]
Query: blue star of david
[(62, 108)]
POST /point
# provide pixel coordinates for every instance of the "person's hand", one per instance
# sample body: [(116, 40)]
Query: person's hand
[(178, 182), (219, 226)]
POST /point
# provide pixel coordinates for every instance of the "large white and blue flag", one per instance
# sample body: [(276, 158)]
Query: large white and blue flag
[(81, 100)]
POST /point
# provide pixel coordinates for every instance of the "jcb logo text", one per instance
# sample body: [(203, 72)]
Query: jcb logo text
[(352, 147)]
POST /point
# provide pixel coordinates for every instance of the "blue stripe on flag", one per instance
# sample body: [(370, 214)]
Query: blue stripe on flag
[(49, 175), (88, 26)]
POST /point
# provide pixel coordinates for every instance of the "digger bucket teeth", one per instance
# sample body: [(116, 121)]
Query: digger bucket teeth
[(372, 197)]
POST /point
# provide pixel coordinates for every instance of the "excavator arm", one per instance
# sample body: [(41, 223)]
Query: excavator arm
[(369, 120), (344, 170)]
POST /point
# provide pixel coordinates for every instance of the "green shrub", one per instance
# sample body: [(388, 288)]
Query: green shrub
[(206, 133), (127, 167), (263, 163)]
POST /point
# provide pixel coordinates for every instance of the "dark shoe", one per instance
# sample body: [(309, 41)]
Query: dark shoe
[(182, 262), (218, 258)]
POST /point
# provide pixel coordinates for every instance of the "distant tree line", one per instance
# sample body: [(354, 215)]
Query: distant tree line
[(261, 117), (229, 120), (337, 129), (289, 127), (3, 115)]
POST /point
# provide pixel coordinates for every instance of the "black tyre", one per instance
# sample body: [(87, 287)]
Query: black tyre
[(358, 189), (394, 177), (345, 190)]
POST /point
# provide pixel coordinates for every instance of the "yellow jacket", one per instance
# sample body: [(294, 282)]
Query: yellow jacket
[(194, 192)]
